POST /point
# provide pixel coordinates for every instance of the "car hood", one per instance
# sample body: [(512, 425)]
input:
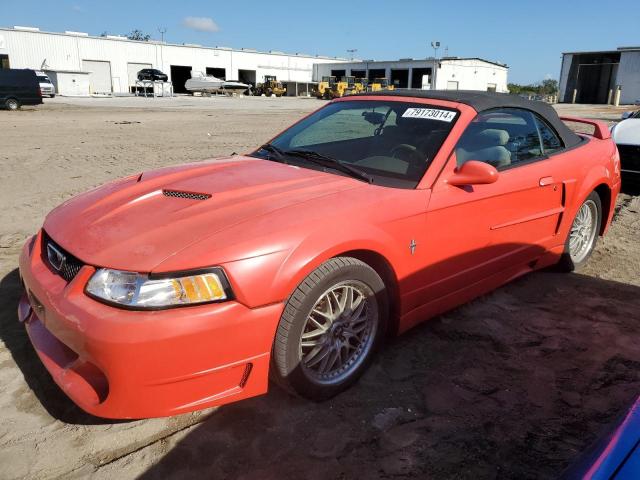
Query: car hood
[(627, 132), (136, 222)]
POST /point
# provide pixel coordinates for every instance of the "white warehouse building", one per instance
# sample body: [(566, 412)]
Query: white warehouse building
[(447, 73), (80, 64)]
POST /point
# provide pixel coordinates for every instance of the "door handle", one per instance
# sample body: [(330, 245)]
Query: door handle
[(544, 181)]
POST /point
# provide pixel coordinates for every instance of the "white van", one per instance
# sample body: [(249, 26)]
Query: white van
[(46, 86)]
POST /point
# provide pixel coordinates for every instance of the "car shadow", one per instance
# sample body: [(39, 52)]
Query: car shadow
[(16, 340), (512, 385)]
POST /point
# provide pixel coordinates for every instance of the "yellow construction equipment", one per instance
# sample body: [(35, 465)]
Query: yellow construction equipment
[(270, 86), (361, 85), (380, 84), (324, 87), (345, 86)]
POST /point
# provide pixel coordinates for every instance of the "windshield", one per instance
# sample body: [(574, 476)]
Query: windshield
[(392, 142)]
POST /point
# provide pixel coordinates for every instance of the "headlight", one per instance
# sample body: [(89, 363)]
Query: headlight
[(139, 291)]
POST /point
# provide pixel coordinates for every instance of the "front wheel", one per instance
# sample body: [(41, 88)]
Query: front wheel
[(330, 328), (583, 235), (12, 104)]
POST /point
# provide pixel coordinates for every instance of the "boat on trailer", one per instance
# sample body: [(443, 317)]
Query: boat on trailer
[(208, 84)]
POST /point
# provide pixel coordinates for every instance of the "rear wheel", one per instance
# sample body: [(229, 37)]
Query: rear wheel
[(12, 104), (330, 328), (583, 235)]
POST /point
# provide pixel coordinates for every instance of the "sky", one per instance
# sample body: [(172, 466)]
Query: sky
[(528, 36)]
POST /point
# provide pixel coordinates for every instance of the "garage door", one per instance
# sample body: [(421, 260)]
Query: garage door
[(132, 71), (100, 76)]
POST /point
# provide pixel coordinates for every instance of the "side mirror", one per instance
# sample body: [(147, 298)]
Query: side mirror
[(473, 172)]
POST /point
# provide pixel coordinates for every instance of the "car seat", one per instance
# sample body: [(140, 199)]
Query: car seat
[(486, 145)]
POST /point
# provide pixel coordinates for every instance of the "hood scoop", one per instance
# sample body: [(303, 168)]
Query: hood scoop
[(188, 195)]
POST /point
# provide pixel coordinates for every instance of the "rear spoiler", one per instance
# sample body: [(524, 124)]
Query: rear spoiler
[(600, 129)]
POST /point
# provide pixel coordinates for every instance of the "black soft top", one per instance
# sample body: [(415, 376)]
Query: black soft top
[(481, 101)]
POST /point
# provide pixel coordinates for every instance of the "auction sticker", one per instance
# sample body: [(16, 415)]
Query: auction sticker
[(430, 114)]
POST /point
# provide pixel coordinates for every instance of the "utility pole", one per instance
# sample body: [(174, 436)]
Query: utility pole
[(351, 51), (162, 31)]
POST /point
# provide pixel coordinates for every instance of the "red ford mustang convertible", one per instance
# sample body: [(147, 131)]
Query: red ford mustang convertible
[(187, 287)]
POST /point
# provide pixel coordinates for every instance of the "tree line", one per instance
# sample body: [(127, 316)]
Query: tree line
[(546, 87)]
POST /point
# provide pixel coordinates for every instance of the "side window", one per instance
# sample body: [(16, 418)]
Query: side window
[(500, 137), (550, 141)]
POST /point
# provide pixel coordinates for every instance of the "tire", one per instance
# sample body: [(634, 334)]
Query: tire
[(576, 258), (53, 95), (346, 344), (12, 104)]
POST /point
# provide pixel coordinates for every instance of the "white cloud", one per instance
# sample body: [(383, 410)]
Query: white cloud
[(77, 8), (202, 24)]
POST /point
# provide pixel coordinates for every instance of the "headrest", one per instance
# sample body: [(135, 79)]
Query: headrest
[(491, 137)]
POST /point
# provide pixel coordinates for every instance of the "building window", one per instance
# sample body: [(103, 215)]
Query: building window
[(491, 87)]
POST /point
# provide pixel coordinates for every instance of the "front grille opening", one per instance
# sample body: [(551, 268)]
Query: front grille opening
[(68, 268), (188, 195), (629, 157)]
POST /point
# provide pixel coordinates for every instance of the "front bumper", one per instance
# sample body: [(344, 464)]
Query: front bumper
[(630, 176), (117, 363), (630, 162)]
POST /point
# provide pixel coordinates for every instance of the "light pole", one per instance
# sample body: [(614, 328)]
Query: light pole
[(351, 51), (162, 31), (435, 45)]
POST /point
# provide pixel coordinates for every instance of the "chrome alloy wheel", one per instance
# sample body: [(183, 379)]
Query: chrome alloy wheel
[(583, 231), (339, 332)]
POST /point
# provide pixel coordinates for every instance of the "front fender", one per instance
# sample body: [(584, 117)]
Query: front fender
[(319, 248), (272, 278)]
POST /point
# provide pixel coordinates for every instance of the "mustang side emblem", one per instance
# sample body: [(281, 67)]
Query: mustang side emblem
[(56, 257), (412, 246)]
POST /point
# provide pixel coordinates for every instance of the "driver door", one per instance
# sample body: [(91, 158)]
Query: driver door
[(492, 232)]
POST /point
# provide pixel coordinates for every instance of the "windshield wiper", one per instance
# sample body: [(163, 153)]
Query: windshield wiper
[(330, 162), (278, 154)]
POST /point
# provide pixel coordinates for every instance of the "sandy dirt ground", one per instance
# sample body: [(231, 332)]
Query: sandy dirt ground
[(512, 385)]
